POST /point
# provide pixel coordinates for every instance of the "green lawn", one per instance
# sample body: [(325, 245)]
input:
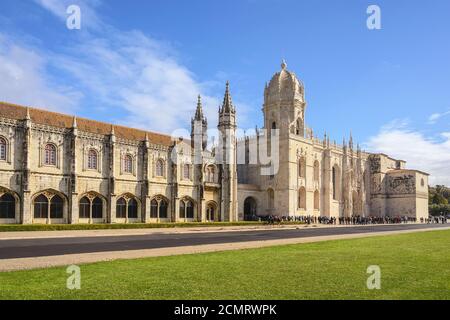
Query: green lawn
[(56, 227), (413, 266)]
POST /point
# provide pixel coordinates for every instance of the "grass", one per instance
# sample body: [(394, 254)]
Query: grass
[(59, 227), (413, 266)]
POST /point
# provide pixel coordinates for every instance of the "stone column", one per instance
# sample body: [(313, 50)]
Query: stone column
[(145, 209), (73, 194), (176, 210), (112, 180), (26, 210)]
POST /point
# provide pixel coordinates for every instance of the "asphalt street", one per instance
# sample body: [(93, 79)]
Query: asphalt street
[(29, 248)]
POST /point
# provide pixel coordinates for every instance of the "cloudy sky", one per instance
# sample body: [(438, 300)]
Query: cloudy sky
[(142, 64)]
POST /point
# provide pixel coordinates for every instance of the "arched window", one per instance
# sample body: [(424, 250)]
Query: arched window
[(7, 206), (182, 209), (186, 172), (316, 200), (41, 207), (121, 208), (189, 210), (97, 208), (154, 209), (211, 212), (92, 159), (132, 209), (128, 164), (159, 168), (163, 209), (302, 167), (186, 209), (302, 198), (335, 181), (85, 208), (56, 207), (270, 198), (355, 203), (92, 210), (3, 149), (50, 155), (127, 208), (250, 208), (158, 208), (316, 171), (274, 125)]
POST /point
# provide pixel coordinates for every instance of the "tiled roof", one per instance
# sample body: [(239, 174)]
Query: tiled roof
[(39, 116)]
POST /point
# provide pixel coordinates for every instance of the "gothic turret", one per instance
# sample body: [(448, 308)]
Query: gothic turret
[(227, 112), (199, 127), (284, 103), (228, 158)]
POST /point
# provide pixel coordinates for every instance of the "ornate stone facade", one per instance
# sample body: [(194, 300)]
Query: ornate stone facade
[(319, 177), (56, 168)]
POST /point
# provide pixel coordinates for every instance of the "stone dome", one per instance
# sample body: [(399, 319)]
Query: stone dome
[(284, 86)]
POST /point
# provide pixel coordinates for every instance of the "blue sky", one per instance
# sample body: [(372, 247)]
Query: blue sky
[(142, 63)]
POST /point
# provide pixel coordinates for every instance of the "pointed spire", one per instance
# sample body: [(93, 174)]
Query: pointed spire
[(28, 117), (283, 65), (227, 106), (146, 137), (199, 110), (74, 122), (351, 141), (112, 130)]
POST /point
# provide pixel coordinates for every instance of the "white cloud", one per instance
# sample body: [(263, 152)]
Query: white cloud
[(436, 116), (420, 152), (24, 79), (133, 74), (89, 18)]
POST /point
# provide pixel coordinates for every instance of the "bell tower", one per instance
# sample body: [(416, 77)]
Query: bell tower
[(284, 103), (228, 162)]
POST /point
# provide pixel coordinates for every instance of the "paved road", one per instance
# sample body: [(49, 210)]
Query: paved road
[(28, 248)]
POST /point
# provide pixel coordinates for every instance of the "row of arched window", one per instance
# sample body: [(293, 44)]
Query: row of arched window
[(50, 159), (302, 169), (49, 205), (210, 173), (302, 199)]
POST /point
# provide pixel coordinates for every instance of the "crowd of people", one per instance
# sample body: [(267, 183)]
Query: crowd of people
[(353, 220)]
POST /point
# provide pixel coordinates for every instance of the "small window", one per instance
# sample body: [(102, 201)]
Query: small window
[(186, 172), (422, 182), (92, 160), (159, 168), (128, 164), (3, 148), (50, 155)]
